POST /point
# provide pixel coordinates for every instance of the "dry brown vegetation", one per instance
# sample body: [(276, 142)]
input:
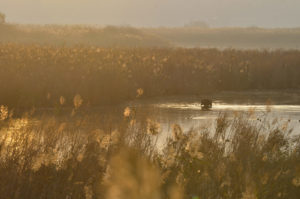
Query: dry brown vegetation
[(74, 159), (49, 76), (72, 153)]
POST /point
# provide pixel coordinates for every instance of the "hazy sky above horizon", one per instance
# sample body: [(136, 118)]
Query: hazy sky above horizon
[(263, 13)]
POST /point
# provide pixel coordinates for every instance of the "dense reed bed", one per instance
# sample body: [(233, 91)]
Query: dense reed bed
[(74, 159), (49, 76)]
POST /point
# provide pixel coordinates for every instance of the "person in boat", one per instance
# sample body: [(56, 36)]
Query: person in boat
[(206, 104)]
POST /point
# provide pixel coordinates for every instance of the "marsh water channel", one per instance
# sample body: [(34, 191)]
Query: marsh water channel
[(265, 107)]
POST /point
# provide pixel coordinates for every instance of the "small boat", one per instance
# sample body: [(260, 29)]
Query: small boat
[(206, 104)]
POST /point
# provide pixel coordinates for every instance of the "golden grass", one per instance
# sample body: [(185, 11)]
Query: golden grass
[(74, 159), (49, 76), (82, 156)]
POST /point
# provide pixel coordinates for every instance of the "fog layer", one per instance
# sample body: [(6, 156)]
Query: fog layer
[(265, 13)]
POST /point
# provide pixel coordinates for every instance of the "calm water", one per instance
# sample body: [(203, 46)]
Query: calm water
[(283, 107), (186, 111)]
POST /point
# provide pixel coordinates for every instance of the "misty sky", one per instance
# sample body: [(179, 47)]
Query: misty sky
[(264, 13)]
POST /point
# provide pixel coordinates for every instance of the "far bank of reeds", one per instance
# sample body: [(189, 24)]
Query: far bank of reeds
[(49, 76)]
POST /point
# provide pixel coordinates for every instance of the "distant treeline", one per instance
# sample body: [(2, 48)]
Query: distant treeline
[(110, 36), (33, 75), (243, 38), (70, 35)]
